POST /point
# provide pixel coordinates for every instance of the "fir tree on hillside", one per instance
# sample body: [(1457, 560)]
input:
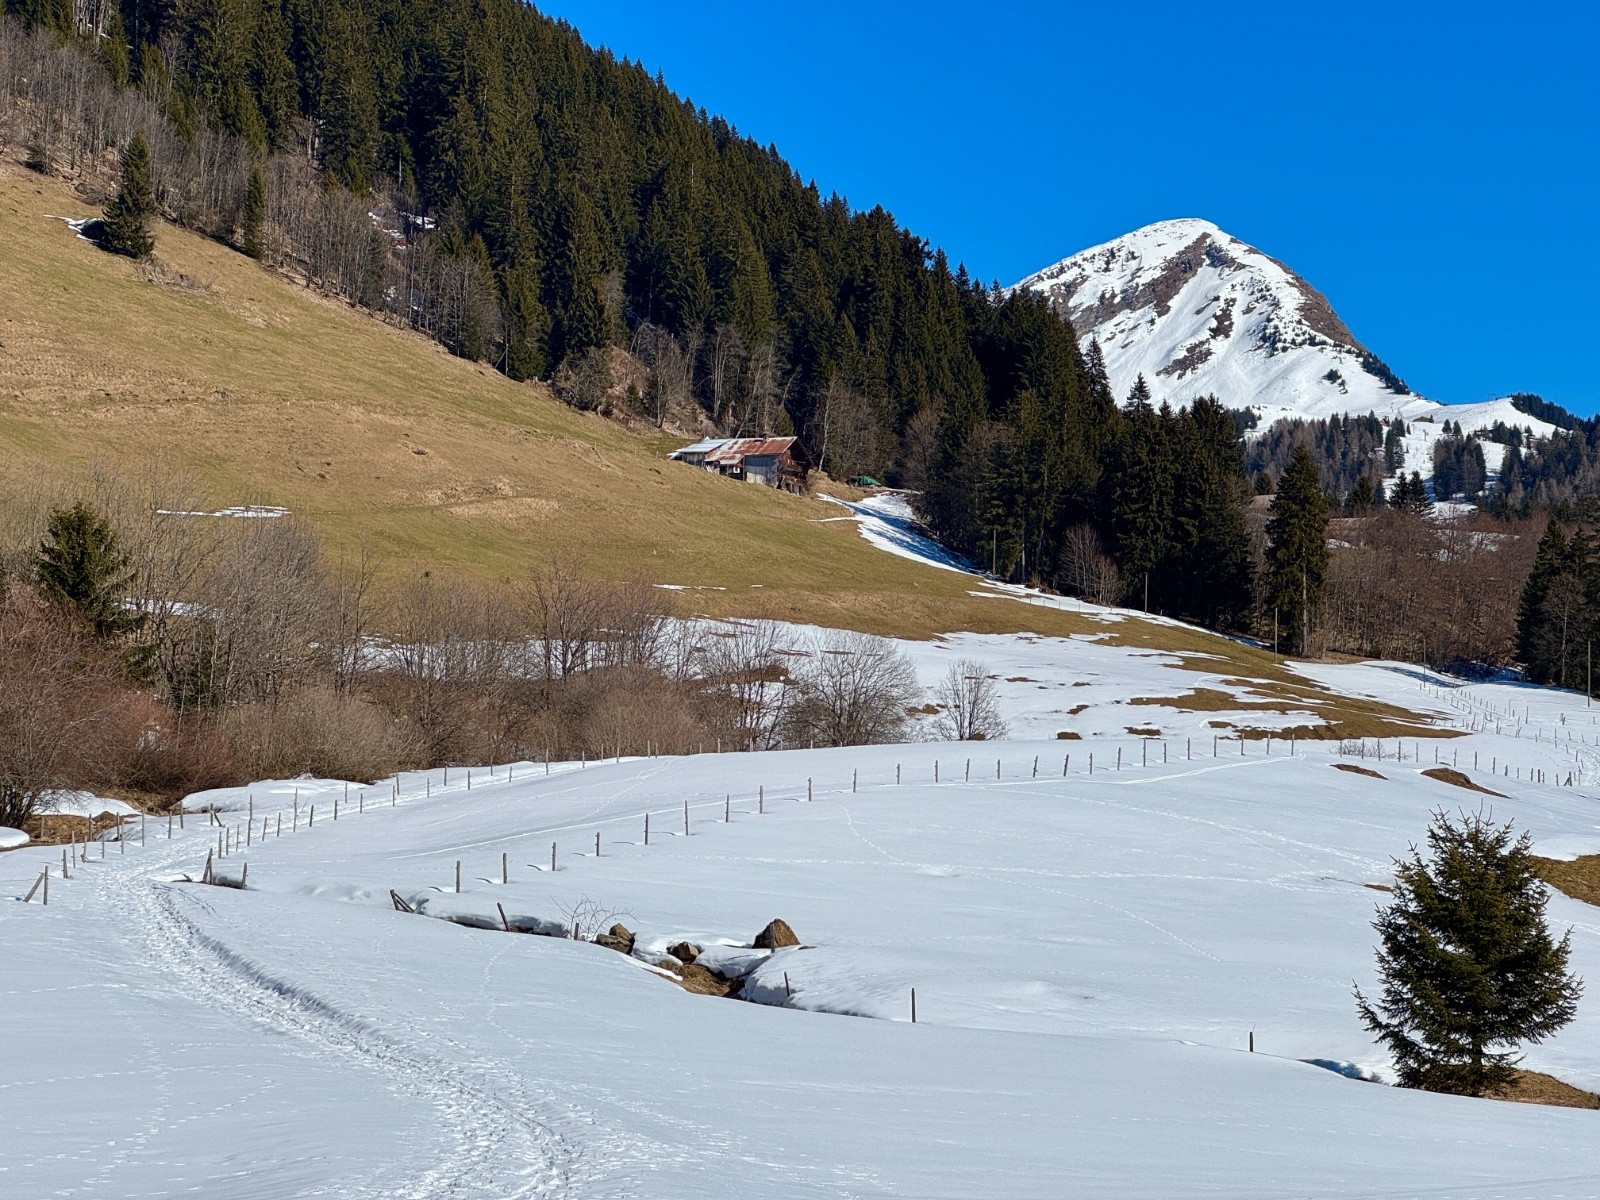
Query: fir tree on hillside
[(253, 217), (1297, 550), (1468, 968), (126, 226), (1559, 610), (82, 567)]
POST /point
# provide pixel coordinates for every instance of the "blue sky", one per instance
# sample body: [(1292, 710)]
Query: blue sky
[(1434, 169)]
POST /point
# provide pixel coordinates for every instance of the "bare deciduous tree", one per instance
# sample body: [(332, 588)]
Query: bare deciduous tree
[(852, 690), (1086, 569), (968, 708)]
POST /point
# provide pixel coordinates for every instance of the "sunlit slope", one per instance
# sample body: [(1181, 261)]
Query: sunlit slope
[(262, 391)]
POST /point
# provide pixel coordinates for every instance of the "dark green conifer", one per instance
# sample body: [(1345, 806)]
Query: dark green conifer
[(253, 216), (1468, 969), (1297, 551), (126, 227), (82, 567)]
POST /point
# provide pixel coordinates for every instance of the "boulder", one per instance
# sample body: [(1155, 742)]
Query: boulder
[(776, 935), (684, 952), (619, 938)]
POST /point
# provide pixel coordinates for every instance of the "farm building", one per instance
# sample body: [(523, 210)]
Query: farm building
[(780, 462)]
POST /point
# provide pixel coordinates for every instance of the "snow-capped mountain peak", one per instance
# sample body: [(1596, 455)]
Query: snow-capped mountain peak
[(1198, 312)]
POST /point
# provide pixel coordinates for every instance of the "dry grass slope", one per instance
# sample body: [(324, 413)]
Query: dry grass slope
[(214, 370)]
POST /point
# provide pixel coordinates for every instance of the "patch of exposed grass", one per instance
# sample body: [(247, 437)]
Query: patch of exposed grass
[(1355, 770), (1535, 1087), (1458, 779), (1578, 877)]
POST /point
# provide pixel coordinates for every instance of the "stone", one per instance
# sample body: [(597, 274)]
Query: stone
[(684, 952), (776, 935), (619, 938)]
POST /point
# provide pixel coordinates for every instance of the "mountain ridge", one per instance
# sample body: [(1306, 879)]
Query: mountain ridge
[(1197, 311)]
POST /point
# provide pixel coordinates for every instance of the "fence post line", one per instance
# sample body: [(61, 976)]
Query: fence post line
[(244, 876)]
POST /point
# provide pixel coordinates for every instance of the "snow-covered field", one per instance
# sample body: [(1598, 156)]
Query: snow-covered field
[(1090, 955)]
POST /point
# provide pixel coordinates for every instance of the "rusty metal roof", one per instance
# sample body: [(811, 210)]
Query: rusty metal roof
[(736, 450)]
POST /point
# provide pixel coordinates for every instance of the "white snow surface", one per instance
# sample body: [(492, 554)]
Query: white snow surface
[(1090, 954), (1198, 312), (11, 838)]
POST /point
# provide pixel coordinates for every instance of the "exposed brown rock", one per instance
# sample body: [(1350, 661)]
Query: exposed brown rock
[(776, 935), (684, 952), (618, 938)]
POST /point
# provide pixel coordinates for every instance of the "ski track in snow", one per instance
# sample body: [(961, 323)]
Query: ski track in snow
[(496, 1139)]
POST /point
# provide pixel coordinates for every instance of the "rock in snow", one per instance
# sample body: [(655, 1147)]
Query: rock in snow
[(777, 934)]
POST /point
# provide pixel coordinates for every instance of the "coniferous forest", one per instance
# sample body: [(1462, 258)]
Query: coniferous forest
[(555, 202), (474, 171)]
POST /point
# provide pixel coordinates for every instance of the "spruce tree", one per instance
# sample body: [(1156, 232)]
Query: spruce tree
[(254, 216), (1468, 968), (1297, 551), (126, 227), (82, 567)]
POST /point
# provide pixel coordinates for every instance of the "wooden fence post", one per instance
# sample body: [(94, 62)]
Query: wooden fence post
[(505, 867), (458, 875), (913, 1006), (504, 923), (685, 818), (646, 831), (552, 858), (727, 807)]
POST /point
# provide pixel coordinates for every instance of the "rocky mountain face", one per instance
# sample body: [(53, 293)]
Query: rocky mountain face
[(1198, 312)]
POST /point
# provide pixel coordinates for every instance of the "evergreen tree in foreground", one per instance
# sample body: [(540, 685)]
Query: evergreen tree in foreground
[(1468, 969), (1297, 551), (82, 567), (126, 229)]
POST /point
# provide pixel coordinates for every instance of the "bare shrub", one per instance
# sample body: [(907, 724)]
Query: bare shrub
[(315, 730), (853, 690), (968, 708), (60, 704)]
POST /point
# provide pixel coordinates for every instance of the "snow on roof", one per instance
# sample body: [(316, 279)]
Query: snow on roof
[(704, 446)]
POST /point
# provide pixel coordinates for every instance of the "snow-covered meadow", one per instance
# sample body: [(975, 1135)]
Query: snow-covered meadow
[(1091, 954)]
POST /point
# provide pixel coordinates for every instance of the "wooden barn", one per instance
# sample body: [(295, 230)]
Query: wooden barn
[(780, 462)]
